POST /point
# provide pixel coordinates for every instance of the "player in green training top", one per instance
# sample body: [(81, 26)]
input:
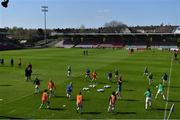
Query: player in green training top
[(146, 71), (160, 91), (148, 98)]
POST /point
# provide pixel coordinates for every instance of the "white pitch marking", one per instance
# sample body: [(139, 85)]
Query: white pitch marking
[(167, 97)]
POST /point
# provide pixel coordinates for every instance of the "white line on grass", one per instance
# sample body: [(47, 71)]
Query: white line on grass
[(167, 97)]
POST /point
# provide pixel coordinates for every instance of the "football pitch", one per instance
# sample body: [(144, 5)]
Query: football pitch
[(17, 98)]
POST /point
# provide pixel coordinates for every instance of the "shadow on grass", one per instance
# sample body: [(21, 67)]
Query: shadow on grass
[(160, 109), (129, 90), (93, 113), (32, 80), (129, 100), (5, 85), (173, 100), (36, 74), (57, 109), (177, 60), (7, 117), (116, 113)]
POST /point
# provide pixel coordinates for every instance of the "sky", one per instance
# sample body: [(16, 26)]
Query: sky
[(90, 13)]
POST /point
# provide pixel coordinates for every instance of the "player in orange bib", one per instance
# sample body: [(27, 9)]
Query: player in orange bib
[(51, 87), (94, 76), (112, 102), (79, 102), (44, 100)]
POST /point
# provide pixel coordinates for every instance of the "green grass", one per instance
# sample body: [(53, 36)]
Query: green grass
[(19, 100)]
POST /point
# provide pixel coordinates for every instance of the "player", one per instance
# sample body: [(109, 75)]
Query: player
[(28, 73), (131, 51), (12, 62), (79, 102), (116, 74), (164, 78), (150, 78), (94, 76), (51, 87), (2, 61), (148, 98), (88, 72), (160, 88), (69, 90), (69, 71), (44, 99), (37, 85), (112, 102), (84, 52), (175, 55), (146, 71), (119, 87), (110, 76)]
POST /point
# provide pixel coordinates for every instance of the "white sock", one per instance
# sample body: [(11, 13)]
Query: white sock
[(164, 97), (41, 105), (109, 108), (146, 105)]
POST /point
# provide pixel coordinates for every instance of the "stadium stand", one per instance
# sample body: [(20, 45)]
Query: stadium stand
[(140, 37), (140, 41), (5, 43)]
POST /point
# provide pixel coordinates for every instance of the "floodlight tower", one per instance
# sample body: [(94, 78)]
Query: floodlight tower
[(45, 10)]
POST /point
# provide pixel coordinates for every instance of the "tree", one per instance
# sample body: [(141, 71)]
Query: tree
[(116, 27), (40, 33), (114, 24), (82, 29)]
